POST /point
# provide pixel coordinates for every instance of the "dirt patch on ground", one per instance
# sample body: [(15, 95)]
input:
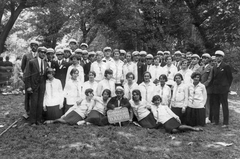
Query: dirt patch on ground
[(64, 141)]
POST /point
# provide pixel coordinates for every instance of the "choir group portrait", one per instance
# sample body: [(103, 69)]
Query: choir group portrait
[(174, 91)]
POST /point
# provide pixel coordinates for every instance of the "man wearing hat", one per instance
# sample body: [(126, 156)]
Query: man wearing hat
[(26, 58), (123, 55), (67, 53), (107, 55), (35, 84), (73, 44), (206, 77), (221, 82), (166, 54), (84, 46), (99, 66), (86, 64), (60, 66), (50, 57), (135, 56), (161, 56), (194, 66), (91, 56), (177, 59), (149, 59)]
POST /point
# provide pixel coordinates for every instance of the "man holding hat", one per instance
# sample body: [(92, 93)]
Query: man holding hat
[(35, 84), (26, 58), (60, 67), (221, 82), (206, 77)]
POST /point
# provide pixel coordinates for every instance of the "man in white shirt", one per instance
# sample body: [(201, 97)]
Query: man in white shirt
[(129, 66), (107, 54)]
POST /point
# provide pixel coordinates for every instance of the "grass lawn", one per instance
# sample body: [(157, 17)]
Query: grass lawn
[(64, 141)]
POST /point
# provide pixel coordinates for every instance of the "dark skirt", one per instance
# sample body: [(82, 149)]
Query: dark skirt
[(178, 112), (72, 118), (97, 118), (195, 116), (148, 122), (67, 107), (53, 112), (171, 124)]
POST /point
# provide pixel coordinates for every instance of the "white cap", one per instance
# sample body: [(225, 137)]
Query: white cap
[(50, 50), (84, 44), (34, 42), (213, 57), (107, 48), (219, 52), (142, 53), (78, 50), (135, 53), (67, 49), (59, 52), (167, 52), (195, 56), (122, 51), (72, 41), (206, 55), (149, 56), (160, 52), (119, 88), (84, 52), (92, 53), (177, 53)]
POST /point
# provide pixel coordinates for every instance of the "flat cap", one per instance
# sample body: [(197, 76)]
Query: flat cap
[(219, 52), (107, 48), (206, 55), (59, 52), (78, 51), (142, 53), (84, 44), (34, 42), (122, 51), (135, 53), (195, 56), (167, 52), (42, 48), (149, 56), (50, 50), (160, 52), (72, 41)]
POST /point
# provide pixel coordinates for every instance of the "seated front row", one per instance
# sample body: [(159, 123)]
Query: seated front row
[(92, 110)]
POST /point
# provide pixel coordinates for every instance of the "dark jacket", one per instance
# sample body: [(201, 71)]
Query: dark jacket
[(113, 103), (61, 71)]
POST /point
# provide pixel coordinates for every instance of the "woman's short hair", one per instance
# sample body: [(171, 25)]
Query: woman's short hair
[(168, 57), (92, 72), (74, 70), (148, 73), (107, 91), (156, 97), (178, 74), (128, 74), (184, 60), (194, 74), (50, 71), (164, 77), (137, 91), (115, 50), (108, 72), (87, 91)]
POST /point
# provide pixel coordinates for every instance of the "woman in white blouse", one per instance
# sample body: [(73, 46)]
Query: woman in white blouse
[(91, 83), (53, 97), (170, 70), (129, 66), (130, 85), (78, 112), (197, 97), (141, 110), (163, 90), (147, 88), (106, 83), (98, 116), (73, 89), (180, 97), (75, 64), (165, 116)]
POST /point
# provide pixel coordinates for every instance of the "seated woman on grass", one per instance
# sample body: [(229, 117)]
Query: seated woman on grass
[(165, 116), (77, 113), (98, 116)]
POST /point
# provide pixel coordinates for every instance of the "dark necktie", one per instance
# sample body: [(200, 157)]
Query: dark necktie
[(42, 71)]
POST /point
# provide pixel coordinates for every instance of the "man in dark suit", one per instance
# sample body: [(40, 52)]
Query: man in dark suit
[(206, 71), (35, 84), (221, 82), (177, 59), (60, 67), (50, 57), (26, 58), (141, 66), (86, 64)]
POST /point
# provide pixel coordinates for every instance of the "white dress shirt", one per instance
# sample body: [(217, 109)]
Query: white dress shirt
[(72, 91), (156, 71), (106, 84), (86, 85), (100, 105), (140, 110), (197, 96), (128, 89), (117, 68), (130, 67), (165, 93), (170, 73), (180, 96), (186, 76), (99, 68), (53, 94), (148, 90)]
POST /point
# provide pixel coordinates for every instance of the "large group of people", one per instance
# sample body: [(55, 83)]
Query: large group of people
[(179, 91)]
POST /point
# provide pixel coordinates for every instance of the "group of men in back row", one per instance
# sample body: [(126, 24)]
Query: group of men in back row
[(216, 75)]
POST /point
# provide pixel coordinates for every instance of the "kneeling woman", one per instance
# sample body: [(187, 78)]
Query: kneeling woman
[(141, 110), (78, 112), (98, 114), (164, 115)]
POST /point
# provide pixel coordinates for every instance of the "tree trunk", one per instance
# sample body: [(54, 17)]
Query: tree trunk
[(7, 28)]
